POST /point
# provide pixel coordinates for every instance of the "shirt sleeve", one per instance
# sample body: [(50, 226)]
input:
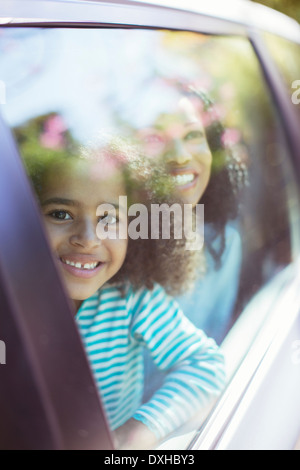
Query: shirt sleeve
[(195, 364)]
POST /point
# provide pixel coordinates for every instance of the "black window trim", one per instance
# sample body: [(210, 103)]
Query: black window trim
[(283, 102)]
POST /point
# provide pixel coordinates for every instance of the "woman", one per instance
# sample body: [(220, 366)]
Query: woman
[(191, 143)]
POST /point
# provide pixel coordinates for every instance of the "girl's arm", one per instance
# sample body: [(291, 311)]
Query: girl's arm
[(195, 365), (134, 435)]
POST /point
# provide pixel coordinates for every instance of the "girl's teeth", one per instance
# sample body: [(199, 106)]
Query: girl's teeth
[(90, 266), (183, 179), (79, 265)]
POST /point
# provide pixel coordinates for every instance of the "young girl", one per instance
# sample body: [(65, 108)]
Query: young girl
[(118, 286)]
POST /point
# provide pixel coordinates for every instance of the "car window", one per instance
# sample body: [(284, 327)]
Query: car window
[(110, 125)]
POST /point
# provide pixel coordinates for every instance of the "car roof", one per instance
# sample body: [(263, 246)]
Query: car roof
[(243, 12)]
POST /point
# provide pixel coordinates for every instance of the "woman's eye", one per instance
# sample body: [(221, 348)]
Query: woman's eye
[(60, 215), (108, 219), (194, 135)]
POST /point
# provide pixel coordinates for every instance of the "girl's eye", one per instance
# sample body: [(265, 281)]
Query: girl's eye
[(60, 215), (108, 219)]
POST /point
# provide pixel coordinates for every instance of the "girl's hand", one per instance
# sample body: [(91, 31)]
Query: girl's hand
[(134, 435)]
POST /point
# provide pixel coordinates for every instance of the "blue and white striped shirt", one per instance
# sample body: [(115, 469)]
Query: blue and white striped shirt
[(116, 324)]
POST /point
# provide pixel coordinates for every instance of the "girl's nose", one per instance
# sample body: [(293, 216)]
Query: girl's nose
[(85, 235), (178, 154)]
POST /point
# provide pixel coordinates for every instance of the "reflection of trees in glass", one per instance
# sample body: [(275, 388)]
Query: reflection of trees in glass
[(230, 73), (42, 140), (227, 69), (45, 142), (287, 57)]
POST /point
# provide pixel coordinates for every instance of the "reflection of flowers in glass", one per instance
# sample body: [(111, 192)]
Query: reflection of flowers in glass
[(108, 152), (238, 160), (53, 135), (231, 137), (152, 140)]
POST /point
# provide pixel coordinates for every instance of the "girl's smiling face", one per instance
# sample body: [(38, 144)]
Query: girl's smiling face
[(69, 200)]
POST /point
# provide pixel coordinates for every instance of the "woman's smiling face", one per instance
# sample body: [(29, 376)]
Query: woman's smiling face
[(70, 199), (179, 139)]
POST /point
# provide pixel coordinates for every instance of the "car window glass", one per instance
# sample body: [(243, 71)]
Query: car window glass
[(286, 55), (186, 119)]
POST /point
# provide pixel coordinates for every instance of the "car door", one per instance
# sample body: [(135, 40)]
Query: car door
[(91, 69)]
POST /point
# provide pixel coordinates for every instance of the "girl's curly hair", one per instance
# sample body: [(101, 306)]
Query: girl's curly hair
[(167, 262)]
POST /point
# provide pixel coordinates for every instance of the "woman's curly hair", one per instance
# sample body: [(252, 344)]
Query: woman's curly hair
[(167, 262), (229, 174)]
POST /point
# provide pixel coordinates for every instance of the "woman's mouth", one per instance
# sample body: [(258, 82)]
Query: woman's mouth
[(184, 180), (81, 268)]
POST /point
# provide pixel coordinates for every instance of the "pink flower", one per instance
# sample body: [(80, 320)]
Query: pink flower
[(230, 137), (53, 135)]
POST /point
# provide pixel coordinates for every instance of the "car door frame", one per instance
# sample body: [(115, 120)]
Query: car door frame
[(57, 425)]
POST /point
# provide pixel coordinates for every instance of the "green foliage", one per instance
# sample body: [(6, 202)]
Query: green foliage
[(38, 156), (288, 7)]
